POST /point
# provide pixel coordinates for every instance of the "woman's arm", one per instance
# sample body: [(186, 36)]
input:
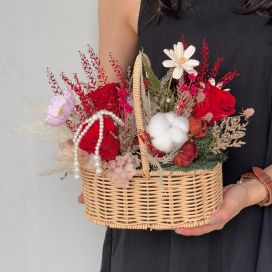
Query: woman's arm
[(118, 20), (117, 33)]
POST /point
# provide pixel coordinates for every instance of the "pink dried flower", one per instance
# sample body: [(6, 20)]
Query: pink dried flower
[(60, 108), (111, 164), (208, 117), (248, 113), (122, 169)]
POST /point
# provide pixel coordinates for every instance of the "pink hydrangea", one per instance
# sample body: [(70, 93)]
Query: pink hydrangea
[(121, 170)]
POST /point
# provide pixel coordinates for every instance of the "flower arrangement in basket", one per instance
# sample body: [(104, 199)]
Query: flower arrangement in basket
[(149, 151)]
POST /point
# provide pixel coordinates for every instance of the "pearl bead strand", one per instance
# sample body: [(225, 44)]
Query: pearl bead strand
[(79, 134)]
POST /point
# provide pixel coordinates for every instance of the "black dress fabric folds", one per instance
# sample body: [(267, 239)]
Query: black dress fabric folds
[(245, 243)]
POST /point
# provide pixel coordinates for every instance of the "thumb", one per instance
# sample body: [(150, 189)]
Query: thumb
[(229, 209)]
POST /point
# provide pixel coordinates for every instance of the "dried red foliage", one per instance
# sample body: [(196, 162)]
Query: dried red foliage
[(80, 113), (184, 41), (119, 71), (85, 91), (96, 64), (77, 88), (228, 78), (88, 70), (53, 83), (70, 126), (203, 69), (215, 69)]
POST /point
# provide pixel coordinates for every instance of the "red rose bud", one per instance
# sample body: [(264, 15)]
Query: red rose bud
[(198, 127), (110, 145), (186, 155)]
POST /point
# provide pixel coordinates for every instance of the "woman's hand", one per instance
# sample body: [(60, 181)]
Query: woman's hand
[(236, 197), (80, 199)]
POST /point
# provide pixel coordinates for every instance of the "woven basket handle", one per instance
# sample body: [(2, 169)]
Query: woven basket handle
[(137, 83)]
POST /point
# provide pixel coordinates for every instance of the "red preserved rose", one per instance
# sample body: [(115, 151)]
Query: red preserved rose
[(217, 104), (187, 154), (110, 146), (106, 98)]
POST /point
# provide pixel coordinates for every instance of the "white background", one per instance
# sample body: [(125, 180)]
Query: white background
[(42, 228)]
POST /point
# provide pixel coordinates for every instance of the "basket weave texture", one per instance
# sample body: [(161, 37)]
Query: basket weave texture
[(183, 199)]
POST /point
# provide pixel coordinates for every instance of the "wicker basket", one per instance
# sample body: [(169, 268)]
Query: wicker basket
[(186, 199)]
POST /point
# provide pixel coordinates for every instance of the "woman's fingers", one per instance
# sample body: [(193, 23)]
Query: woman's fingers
[(197, 231), (217, 222), (233, 203)]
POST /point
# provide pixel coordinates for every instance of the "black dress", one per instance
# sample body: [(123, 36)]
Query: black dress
[(245, 243)]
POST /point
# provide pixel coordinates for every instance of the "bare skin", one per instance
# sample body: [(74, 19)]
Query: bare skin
[(118, 34)]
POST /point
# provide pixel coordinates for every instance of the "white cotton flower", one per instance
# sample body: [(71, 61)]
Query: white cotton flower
[(180, 59), (168, 131)]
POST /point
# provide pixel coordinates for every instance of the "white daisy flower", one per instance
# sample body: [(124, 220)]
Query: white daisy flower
[(180, 59)]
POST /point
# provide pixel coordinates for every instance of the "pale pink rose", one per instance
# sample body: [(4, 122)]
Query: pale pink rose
[(60, 108)]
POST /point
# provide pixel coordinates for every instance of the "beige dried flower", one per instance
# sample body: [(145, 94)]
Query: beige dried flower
[(247, 113), (208, 117), (200, 97), (228, 133)]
